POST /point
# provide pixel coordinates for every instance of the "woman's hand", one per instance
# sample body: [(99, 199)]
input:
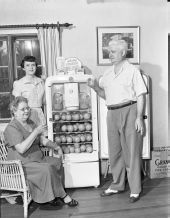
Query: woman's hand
[(40, 129), (58, 151), (27, 143)]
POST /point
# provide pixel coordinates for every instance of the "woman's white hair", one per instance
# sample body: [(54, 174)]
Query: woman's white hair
[(16, 101)]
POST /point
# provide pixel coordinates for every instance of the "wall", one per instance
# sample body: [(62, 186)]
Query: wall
[(80, 41), (168, 87)]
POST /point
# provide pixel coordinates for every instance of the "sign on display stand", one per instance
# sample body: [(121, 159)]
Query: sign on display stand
[(69, 66)]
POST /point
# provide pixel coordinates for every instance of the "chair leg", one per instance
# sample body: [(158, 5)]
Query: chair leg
[(25, 200)]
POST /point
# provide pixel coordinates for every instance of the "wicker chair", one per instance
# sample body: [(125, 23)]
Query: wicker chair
[(12, 177)]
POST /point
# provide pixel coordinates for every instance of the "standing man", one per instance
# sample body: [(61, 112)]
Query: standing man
[(123, 89)]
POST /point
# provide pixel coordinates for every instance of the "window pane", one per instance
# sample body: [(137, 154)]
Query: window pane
[(3, 53), (20, 73), (21, 50), (4, 80), (39, 71), (36, 50), (26, 47), (4, 106)]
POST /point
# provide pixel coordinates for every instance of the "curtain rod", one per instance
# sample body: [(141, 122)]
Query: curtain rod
[(44, 25)]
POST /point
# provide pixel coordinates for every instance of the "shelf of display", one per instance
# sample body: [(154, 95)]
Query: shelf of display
[(72, 111), (69, 121), (72, 143), (76, 132)]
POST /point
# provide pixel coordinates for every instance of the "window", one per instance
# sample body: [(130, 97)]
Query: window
[(4, 79), (12, 50)]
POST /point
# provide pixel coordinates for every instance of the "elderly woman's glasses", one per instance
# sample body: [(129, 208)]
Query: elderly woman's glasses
[(24, 109)]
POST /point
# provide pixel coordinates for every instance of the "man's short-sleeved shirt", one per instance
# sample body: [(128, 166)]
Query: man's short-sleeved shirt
[(124, 86)]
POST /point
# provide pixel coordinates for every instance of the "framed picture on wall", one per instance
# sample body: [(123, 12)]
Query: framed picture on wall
[(130, 34)]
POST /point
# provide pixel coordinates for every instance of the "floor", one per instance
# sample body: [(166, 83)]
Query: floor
[(154, 203)]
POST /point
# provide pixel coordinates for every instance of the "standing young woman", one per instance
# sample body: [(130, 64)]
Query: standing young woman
[(32, 88)]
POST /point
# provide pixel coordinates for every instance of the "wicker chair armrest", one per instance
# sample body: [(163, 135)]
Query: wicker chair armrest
[(11, 162), (12, 175)]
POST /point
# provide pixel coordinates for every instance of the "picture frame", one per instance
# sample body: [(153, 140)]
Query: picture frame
[(128, 33)]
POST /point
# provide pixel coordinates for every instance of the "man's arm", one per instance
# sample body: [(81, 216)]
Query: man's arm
[(94, 84), (139, 124)]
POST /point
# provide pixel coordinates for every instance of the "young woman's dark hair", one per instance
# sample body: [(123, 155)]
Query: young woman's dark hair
[(29, 59), (38, 72)]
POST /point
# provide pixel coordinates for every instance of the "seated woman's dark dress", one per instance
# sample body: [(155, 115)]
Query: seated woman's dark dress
[(43, 173)]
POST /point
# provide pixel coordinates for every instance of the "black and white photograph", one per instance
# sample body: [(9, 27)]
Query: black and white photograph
[(84, 109), (129, 34)]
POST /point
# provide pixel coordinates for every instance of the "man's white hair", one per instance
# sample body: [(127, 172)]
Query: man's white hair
[(120, 43)]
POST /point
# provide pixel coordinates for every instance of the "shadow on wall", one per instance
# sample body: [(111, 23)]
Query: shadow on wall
[(154, 72), (142, 2), (87, 70)]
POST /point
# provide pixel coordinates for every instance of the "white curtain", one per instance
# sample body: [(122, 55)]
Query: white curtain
[(49, 48)]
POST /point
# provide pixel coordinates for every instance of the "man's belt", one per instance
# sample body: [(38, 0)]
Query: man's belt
[(114, 107)]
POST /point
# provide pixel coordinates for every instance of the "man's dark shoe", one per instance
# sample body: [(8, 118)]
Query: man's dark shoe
[(133, 199)]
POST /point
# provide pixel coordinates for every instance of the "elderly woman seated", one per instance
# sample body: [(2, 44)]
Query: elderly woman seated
[(42, 173)]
